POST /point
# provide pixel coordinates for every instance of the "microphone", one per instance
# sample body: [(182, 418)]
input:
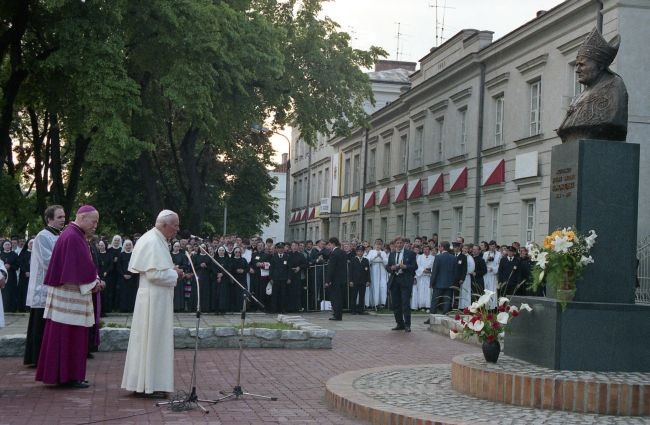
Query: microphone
[(196, 237)]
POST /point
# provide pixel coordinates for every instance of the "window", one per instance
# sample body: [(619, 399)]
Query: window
[(458, 222), (316, 232), (386, 160), (462, 135), (311, 233), (319, 186), (416, 224), (313, 195), (399, 225), (494, 222), (403, 146), (435, 222), (368, 230), (440, 132), (383, 231), (417, 147), (299, 197), (344, 231), (529, 207), (305, 189), (294, 204), (357, 173), (326, 183), (535, 107), (498, 121), (353, 230), (346, 177), (372, 158)]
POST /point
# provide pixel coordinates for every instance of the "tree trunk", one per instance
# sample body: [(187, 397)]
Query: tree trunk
[(81, 145), (195, 192), (154, 197)]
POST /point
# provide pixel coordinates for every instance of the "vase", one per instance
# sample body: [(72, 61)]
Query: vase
[(565, 295), (491, 351), (566, 290)]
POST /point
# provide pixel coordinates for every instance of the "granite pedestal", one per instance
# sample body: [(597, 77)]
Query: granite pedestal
[(594, 185)]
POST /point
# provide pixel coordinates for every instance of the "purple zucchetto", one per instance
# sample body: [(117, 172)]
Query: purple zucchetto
[(85, 209)]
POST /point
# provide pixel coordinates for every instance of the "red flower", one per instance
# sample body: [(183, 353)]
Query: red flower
[(490, 317), (502, 308), (496, 325), (457, 317), (491, 338), (515, 313), (507, 308), (466, 310)]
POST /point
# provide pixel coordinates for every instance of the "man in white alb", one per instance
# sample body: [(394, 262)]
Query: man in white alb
[(149, 367)]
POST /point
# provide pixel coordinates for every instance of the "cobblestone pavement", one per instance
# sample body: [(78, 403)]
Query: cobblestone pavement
[(427, 389), (296, 377)]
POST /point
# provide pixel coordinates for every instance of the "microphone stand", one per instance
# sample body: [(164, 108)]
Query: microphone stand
[(237, 391), (182, 400)]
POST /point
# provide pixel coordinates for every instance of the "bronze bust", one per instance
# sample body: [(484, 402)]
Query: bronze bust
[(600, 111)]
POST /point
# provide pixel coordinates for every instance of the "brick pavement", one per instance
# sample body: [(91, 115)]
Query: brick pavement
[(296, 377)]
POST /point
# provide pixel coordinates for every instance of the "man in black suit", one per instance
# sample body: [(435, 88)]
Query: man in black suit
[(336, 277), (359, 280), (443, 277), (509, 271), (480, 268), (279, 273), (460, 271), (402, 265)]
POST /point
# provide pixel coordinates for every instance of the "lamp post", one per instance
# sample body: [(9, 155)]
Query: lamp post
[(258, 129)]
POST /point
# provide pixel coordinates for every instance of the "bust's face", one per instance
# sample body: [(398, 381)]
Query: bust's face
[(588, 70)]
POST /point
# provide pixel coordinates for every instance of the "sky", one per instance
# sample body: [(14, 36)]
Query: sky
[(375, 22)]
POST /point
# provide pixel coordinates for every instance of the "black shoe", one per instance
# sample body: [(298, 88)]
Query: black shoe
[(335, 318), (407, 329), (398, 328), (90, 356), (427, 322), (364, 312), (77, 384)]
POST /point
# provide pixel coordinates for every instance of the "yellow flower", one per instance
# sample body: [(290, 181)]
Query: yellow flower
[(557, 233), (570, 235), (548, 242)]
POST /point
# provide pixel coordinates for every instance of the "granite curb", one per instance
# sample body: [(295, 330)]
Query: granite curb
[(305, 335)]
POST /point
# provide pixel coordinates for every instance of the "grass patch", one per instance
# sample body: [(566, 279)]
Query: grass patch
[(112, 325)]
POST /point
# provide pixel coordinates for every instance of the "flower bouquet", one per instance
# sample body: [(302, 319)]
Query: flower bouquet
[(560, 262), (486, 324)]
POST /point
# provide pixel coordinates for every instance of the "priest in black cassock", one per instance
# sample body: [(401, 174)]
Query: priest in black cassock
[(205, 272), (297, 266), (222, 281)]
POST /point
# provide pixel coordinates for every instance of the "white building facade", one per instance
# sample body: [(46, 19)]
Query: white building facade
[(276, 229), (466, 150)]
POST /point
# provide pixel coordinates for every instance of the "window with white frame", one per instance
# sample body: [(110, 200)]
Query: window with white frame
[(458, 222), (535, 122), (317, 232), (346, 177), (435, 222), (416, 224), (313, 195), (440, 134), (530, 221), (399, 225), (498, 120), (386, 160), (319, 186), (326, 183), (462, 131), (494, 222), (372, 158), (383, 230), (577, 87), (417, 146), (353, 230), (356, 169), (368, 229), (294, 202), (403, 146), (344, 231)]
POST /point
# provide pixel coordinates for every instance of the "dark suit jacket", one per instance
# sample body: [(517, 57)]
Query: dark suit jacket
[(480, 268), (409, 260), (337, 268), (359, 271), (279, 267), (461, 268), (509, 273), (443, 271)]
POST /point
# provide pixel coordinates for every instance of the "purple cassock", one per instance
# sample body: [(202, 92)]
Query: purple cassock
[(65, 341)]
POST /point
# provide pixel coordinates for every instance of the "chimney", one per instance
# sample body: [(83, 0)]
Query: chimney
[(285, 158)]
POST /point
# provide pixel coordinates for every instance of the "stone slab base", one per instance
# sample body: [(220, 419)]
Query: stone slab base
[(517, 382)]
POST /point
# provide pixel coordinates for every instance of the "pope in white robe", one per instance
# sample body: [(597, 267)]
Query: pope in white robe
[(149, 363)]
